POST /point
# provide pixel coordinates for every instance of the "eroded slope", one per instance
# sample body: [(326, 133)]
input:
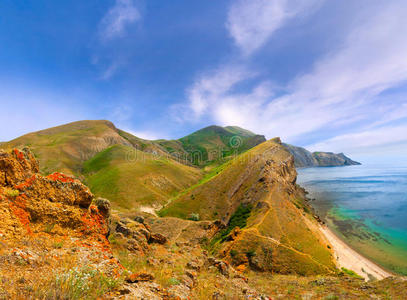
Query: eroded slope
[(257, 192)]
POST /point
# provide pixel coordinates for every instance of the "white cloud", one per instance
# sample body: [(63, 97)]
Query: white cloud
[(120, 16), (212, 86), (341, 91), (146, 134), (365, 141), (251, 23), (121, 112), (110, 70)]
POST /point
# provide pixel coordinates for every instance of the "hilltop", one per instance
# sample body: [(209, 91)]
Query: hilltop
[(212, 143)]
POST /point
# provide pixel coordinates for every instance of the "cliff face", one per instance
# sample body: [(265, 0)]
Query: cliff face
[(304, 158)]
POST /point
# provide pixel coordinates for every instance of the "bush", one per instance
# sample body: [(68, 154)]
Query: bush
[(350, 273), (250, 253), (194, 217), (233, 253), (58, 245), (238, 219), (173, 281), (12, 193), (48, 228), (80, 283)]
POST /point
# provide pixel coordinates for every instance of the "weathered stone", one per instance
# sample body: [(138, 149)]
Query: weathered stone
[(157, 238), (137, 277), (139, 219), (103, 206)]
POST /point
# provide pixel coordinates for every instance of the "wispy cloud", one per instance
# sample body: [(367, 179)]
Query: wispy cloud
[(212, 86), (341, 93), (120, 16), (252, 23), (146, 134), (367, 140)]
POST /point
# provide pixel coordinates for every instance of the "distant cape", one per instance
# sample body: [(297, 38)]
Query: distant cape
[(304, 158)]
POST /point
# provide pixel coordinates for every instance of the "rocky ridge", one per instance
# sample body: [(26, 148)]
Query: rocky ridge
[(304, 158)]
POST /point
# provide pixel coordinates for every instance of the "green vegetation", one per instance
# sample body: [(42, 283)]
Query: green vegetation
[(173, 281), (212, 144), (193, 217), (12, 193), (79, 283), (66, 147), (350, 273), (58, 245), (128, 177), (49, 227), (238, 219)]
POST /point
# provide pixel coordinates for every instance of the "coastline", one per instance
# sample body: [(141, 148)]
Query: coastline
[(348, 258)]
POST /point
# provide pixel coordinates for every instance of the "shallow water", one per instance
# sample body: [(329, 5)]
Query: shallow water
[(367, 206)]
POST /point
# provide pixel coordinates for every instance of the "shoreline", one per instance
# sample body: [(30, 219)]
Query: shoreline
[(350, 259)]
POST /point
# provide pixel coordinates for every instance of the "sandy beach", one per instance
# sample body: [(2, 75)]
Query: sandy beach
[(348, 258)]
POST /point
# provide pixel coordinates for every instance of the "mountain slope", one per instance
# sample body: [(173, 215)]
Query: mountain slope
[(256, 192), (304, 158), (212, 143), (64, 148), (130, 178)]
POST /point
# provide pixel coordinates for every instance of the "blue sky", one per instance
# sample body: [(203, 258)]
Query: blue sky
[(327, 75)]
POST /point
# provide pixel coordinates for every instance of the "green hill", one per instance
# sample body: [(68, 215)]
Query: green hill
[(130, 177), (64, 148), (256, 192), (212, 143)]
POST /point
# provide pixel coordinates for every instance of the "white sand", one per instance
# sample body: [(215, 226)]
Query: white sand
[(348, 258)]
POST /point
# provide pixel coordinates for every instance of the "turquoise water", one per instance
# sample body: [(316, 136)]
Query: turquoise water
[(366, 206)]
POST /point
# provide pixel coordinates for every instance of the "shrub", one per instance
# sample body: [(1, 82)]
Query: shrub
[(12, 193), (238, 219), (350, 273), (48, 228), (331, 297), (250, 253), (233, 253), (80, 283), (173, 281), (194, 217), (58, 245)]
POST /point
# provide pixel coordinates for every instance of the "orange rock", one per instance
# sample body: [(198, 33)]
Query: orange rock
[(136, 277), (241, 268)]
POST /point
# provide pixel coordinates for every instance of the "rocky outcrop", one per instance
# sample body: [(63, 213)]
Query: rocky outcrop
[(46, 224), (304, 158)]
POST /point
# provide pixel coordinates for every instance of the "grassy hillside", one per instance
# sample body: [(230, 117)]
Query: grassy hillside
[(212, 144), (64, 148), (257, 193), (130, 178)]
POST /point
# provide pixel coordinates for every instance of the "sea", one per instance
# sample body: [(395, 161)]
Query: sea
[(366, 206)]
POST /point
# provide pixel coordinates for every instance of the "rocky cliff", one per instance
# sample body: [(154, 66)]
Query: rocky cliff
[(305, 158)]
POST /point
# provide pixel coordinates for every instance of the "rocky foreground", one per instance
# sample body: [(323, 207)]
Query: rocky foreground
[(57, 241)]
